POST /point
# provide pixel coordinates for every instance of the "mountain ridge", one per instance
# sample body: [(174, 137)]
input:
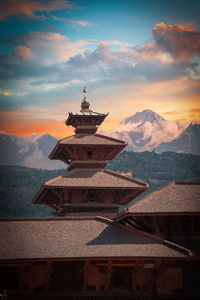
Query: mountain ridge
[(145, 115)]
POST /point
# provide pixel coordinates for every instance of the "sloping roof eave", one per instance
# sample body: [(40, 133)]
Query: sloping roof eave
[(44, 239), (174, 198)]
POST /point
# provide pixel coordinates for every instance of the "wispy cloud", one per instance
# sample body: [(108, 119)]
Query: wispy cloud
[(80, 23), (73, 23), (5, 93), (52, 47), (29, 7), (171, 113)]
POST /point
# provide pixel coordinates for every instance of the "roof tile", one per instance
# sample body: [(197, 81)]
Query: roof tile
[(173, 198), (77, 239)]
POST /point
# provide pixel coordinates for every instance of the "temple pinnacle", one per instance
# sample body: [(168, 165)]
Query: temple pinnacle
[(85, 104), (84, 90)]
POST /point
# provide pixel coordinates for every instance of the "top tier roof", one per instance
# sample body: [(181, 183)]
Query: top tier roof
[(86, 117), (96, 139)]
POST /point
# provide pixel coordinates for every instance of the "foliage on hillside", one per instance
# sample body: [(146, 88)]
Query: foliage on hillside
[(18, 185), (157, 169)]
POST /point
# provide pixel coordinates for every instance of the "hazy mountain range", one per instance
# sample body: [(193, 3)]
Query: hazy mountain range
[(30, 151), (144, 131)]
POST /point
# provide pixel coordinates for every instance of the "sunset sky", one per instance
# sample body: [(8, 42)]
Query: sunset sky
[(131, 55)]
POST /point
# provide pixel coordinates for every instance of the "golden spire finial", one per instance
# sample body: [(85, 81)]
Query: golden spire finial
[(85, 91), (85, 104)]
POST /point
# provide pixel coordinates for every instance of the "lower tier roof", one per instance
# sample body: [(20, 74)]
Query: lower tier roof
[(80, 238), (92, 179)]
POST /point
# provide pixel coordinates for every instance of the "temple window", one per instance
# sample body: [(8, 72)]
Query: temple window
[(89, 154), (91, 197)]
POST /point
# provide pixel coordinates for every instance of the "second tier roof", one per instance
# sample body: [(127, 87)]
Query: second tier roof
[(96, 139), (87, 140)]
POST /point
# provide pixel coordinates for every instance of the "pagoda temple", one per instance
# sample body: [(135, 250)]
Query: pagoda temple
[(87, 188)]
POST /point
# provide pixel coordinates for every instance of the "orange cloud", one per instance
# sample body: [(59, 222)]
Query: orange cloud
[(172, 113), (182, 42), (191, 114), (28, 7), (5, 93), (23, 52), (195, 110), (194, 113), (182, 120)]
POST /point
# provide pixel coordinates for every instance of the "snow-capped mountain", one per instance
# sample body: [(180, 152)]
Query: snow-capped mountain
[(29, 151), (147, 131)]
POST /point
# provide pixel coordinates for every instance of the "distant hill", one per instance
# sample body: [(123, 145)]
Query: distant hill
[(18, 185), (158, 169)]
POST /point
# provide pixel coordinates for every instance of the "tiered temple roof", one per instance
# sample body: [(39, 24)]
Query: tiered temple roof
[(86, 187)]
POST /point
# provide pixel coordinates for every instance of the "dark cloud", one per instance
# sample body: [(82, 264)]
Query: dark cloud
[(30, 7), (180, 41)]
